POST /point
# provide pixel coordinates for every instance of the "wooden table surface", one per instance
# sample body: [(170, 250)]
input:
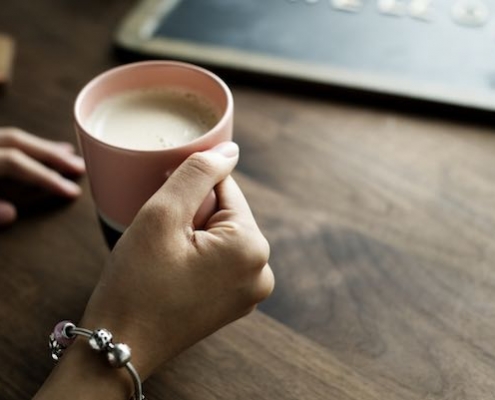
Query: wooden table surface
[(381, 224)]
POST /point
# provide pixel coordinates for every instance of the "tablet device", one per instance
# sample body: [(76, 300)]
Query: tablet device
[(437, 50)]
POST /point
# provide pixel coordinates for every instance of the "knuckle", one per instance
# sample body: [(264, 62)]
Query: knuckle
[(12, 158), (10, 136), (248, 246), (157, 215), (152, 213), (265, 285), (256, 249), (263, 251), (252, 254), (198, 163)]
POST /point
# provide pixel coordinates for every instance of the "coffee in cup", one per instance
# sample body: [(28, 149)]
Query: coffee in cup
[(152, 119)]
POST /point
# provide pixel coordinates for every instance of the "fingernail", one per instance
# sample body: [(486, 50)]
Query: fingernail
[(227, 149), (70, 187), (78, 163), (66, 146), (8, 213)]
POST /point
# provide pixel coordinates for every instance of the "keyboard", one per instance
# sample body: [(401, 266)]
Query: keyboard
[(436, 50)]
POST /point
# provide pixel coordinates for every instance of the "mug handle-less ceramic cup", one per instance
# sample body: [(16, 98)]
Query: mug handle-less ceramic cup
[(122, 180)]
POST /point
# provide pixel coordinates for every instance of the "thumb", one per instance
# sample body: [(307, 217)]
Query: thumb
[(194, 179), (8, 213)]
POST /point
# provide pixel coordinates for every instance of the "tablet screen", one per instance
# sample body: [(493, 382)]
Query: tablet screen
[(426, 49)]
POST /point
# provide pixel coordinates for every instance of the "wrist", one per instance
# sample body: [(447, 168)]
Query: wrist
[(84, 374), (149, 348)]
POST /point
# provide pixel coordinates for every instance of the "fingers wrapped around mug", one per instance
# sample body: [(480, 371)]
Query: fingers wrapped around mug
[(167, 284)]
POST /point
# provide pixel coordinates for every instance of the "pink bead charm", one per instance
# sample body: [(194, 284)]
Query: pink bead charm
[(60, 334), (60, 339)]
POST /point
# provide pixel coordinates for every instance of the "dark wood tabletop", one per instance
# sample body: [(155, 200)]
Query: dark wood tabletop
[(381, 223)]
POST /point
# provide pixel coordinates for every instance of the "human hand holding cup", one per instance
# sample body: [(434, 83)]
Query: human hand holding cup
[(137, 123), (189, 282)]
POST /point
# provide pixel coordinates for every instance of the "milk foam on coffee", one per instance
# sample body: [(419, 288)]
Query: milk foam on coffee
[(152, 119)]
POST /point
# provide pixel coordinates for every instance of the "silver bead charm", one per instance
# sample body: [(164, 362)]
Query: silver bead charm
[(56, 349), (118, 355), (67, 329), (100, 339)]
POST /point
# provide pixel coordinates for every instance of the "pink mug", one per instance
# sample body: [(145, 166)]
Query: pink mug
[(123, 179)]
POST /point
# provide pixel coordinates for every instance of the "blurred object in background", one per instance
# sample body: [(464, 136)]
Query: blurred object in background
[(6, 58), (438, 51)]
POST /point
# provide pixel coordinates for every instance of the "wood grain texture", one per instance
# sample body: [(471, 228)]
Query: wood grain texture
[(381, 225), (382, 231)]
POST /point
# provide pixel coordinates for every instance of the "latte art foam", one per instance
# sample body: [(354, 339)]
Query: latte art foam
[(152, 119)]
